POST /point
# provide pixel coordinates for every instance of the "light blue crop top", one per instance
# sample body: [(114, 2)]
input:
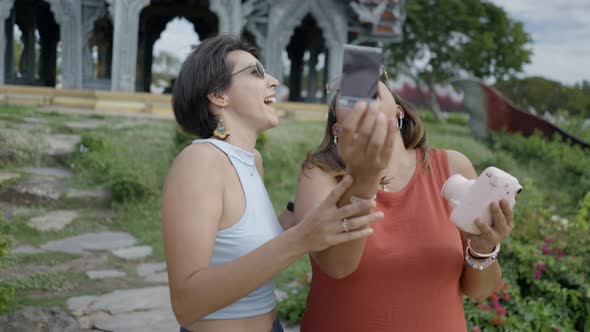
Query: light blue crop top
[(258, 225)]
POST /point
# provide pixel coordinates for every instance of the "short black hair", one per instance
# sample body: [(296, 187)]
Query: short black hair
[(206, 70)]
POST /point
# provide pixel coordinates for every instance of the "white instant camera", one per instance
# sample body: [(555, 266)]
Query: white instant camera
[(471, 199)]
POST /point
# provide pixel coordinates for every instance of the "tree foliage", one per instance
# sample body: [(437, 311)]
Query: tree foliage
[(548, 96), (446, 38)]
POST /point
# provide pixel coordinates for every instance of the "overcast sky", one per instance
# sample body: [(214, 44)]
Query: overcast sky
[(560, 30)]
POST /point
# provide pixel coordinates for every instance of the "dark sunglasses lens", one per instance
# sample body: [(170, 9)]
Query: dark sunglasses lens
[(259, 69)]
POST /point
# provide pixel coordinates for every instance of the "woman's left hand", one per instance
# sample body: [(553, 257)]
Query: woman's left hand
[(502, 226)]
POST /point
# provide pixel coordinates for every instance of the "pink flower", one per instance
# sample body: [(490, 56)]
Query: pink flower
[(540, 267), (506, 296), (559, 252), (484, 306), (538, 274), (548, 240), (545, 250), (501, 311), (476, 329)]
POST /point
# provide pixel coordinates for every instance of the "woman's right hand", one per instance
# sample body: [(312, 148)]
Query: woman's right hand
[(366, 142), (327, 225)]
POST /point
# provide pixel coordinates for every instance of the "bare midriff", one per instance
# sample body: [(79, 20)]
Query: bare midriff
[(249, 324)]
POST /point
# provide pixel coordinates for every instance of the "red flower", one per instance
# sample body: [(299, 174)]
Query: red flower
[(559, 252), (540, 267), (538, 274), (506, 296), (548, 240), (495, 320), (494, 297), (484, 306), (504, 285), (501, 311), (545, 250), (476, 329)]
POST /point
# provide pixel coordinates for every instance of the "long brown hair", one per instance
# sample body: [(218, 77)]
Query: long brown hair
[(327, 158)]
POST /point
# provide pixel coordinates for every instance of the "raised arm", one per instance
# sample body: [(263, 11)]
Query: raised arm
[(192, 208), (366, 146)]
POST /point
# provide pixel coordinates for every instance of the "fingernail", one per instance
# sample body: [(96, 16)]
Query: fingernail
[(380, 214)]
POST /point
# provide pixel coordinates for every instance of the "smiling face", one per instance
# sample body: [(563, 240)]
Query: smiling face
[(250, 98)]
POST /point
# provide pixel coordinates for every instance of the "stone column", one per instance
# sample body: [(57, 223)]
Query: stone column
[(311, 76), (5, 10), (126, 27), (27, 58), (229, 13), (68, 14), (8, 63)]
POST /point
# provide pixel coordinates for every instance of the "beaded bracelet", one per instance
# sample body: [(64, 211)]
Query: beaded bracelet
[(480, 264)]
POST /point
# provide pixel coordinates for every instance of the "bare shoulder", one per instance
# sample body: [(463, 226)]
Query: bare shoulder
[(460, 164), (195, 172)]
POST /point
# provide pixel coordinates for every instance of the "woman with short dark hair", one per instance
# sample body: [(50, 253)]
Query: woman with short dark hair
[(223, 241)]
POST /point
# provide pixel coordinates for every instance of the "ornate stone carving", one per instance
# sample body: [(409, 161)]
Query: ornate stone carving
[(68, 14), (255, 15), (229, 14), (126, 27), (5, 7), (379, 22), (286, 15)]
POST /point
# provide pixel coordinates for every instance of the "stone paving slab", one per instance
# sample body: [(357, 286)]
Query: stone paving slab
[(161, 277), (143, 270), (89, 195), (145, 321), (85, 124), (5, 176), (132, 253), (123, 301), (62, 144), (102, 274), (25, 250), (48, 171), (91, 241), (36, 190), (53, 221), (33, 319)]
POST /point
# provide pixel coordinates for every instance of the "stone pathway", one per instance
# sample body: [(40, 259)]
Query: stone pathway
[(135, 295)]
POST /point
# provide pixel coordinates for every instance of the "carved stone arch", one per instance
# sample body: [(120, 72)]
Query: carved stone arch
[(330, 16), (91, 12), (5, 9), (68, 14)]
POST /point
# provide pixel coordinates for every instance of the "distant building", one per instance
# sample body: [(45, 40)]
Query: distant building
[(120, 35)]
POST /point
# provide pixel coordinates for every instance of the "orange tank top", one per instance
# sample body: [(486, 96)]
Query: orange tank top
[(408, 277)]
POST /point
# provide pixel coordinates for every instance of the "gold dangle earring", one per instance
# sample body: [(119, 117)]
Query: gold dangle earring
[(220, 131)]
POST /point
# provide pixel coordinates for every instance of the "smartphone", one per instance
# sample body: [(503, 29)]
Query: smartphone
[(361, 67)]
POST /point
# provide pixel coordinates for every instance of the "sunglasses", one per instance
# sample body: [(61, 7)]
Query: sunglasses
[(260, 71)]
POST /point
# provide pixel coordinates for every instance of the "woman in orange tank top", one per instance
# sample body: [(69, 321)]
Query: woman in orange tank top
[(409, 275)]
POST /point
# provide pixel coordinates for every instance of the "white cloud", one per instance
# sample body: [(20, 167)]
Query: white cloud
[(561, 36)]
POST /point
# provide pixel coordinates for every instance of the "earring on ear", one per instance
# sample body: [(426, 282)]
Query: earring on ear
[(400, 118), (220, 131), (336, 129)]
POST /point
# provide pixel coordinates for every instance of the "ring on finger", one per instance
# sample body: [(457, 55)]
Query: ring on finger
[(345, 225)]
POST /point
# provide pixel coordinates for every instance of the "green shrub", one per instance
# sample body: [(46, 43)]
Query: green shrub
[(6, 290), (131, 163), (460, 119)]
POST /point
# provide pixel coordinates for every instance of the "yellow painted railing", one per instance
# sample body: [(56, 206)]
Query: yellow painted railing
[(100, 100)]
